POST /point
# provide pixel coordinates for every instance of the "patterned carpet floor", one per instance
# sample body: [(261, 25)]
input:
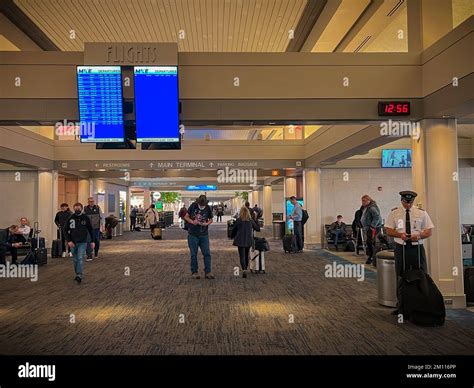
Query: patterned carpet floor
[(158, 309)]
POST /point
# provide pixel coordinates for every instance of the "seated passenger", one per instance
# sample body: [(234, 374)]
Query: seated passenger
[(24, 228), (337, 230), (243, 237), (15, 240)]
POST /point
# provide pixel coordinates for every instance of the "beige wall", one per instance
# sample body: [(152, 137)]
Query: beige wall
[(100, 186), (67, 191), (278, 201), (19, 198), (343, 197), (466, 194)]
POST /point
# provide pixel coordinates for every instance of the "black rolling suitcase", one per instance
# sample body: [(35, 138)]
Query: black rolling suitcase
[(38, 246), (230, 228), (421, 301), (289, 243), (57, 246), (38, 254)]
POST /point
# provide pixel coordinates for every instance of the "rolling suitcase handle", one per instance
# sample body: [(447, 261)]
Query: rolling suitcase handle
[(419, 255)]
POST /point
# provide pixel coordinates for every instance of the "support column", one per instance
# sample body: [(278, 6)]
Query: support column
[(83, 191), (435, 179), (312, 203), (146, 199), (254, 198), (47, 204), (267, 204), (290, 187)]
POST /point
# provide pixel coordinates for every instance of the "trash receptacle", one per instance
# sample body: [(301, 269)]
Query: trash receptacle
[(114, 231), (278, 228), (386, 279), (119, 228)]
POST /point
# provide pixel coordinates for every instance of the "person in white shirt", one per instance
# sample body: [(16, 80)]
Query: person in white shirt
[(409, 226), (152, 216), (24, 228)]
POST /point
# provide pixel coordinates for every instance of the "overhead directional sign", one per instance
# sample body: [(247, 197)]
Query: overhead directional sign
[(176, 164), (201, 187)]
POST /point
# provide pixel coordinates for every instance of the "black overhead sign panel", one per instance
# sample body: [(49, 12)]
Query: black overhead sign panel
[(175, 164)]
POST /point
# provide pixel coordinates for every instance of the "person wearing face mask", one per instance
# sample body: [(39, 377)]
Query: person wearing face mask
[(78, 231), (199, 217)]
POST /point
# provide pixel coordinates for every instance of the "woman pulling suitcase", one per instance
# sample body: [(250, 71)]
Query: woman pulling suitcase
[(243, 237)]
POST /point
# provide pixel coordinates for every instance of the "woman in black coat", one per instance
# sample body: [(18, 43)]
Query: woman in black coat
[(243, 236)]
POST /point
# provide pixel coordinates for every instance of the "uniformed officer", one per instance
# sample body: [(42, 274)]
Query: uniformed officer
[(409, 226)]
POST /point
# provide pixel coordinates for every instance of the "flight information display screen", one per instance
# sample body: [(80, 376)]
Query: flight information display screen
[(156, 104), (100, 104)]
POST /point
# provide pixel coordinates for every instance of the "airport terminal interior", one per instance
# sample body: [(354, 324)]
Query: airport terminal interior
[(143, 107)]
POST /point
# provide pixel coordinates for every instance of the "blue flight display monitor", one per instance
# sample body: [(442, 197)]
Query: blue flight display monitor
[(201, 188), (157, 104), (100, 104)]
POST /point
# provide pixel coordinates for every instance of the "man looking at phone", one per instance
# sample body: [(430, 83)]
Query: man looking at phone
[(199, 217), (409, 226)]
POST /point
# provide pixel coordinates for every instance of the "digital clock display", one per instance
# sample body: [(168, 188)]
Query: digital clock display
[(394, 108)]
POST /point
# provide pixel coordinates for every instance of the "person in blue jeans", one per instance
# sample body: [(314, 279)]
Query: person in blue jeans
[(78, 232), (97, 219), (337, 229), (198, 218)]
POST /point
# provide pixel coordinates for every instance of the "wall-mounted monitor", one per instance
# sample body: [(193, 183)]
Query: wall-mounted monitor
[(396, 158), (100, 104), (157, 105)]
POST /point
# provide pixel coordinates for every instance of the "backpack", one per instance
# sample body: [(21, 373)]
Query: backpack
[(305, 217)]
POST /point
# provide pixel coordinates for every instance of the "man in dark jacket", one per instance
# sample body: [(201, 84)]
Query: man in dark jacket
[(337, 229), (371, 221), (94, 212), (60, 220), (78, 231)]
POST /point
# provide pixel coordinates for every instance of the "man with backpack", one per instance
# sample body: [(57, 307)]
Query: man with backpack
[(60, 220), (97, 219), (199, 217), (297, 217)]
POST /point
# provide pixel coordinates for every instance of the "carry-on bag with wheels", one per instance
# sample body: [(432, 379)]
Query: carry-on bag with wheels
[(39, 250), (230, 228), (421, 301), (257, 261), (57, 246), (157, 234)]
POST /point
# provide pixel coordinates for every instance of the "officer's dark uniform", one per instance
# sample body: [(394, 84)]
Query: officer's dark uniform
[(412, 222)]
